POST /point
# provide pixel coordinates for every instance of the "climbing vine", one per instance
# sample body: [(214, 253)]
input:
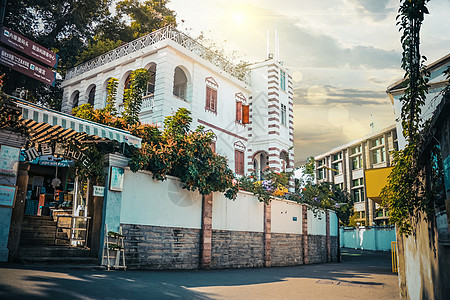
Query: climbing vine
[(406, 192)]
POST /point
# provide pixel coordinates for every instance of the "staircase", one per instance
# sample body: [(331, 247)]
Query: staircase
[(38, 230), (37, 245)]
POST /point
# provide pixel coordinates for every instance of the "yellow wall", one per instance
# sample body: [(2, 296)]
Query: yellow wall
[(376, 179)]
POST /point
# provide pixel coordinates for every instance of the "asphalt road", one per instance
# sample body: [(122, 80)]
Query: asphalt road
[(361, 275)]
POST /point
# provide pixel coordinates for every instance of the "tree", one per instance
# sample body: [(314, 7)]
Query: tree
[(132, 97), (133, 19), (77, 30), (61, 26)]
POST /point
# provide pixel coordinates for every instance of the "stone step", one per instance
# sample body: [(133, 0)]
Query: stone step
[(60, 260), (53, 251), (28, 228), (37, 234), (37, 222), (37, 241)]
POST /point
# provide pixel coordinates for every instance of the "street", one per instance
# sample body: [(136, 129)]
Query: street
[(361, 275)]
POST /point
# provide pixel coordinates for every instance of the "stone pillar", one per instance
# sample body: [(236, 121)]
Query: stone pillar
[(18, 211), (305, 234), (328, 239), (268, 234), (206, 233)]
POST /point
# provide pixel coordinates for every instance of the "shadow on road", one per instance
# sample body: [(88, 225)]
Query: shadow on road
[(39, 282)]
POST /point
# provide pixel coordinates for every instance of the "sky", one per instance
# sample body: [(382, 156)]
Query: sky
[(342, 54)]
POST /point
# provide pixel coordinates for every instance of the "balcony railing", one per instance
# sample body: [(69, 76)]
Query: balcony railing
[(167, 32), (148, 103)]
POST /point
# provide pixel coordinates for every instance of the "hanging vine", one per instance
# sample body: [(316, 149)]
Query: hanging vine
[(406, 193)]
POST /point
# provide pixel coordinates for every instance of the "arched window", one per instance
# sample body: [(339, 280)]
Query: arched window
[(284, 161), (91, 96), (260, 162), (75, 99), (179, 83), (151, 84), (127, 84)]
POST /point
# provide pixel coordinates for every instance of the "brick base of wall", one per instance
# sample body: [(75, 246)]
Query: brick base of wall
[(237, 249), (287, 249), (156, 247), (317, 248), (334, 248)]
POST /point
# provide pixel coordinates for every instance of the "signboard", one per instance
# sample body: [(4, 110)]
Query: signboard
[(28, 47), (9, 160), (116, 180), (7, 195), (98, 191), (27, 67)]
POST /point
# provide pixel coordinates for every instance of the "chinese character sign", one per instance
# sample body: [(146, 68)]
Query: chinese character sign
[(27, 67), (28, 47)]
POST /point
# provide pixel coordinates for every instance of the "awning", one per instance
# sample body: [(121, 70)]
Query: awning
[(46, 124), (376, 180)]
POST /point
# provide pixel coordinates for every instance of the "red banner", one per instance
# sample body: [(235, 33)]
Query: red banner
[(28, 47), (26, 66)]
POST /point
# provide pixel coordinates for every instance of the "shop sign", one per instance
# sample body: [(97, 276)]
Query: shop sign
[(27, 67), (116, 181), (28, 47), (9, 160), (7, 195), (98, 191), (32, 153)]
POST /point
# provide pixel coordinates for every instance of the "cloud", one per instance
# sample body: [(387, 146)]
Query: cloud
[(377, 10), (304, 46), (330, 95)]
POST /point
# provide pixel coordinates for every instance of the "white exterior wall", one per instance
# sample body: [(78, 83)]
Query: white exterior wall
[(283, 214), (427, 109), (150, 202), (246, 213), (317, 225), (334, 227)]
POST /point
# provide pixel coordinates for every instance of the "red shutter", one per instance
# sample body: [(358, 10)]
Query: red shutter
[(213, 100), (213, 146), (239, 162), (208, 97), (245, 114), (238, 111)]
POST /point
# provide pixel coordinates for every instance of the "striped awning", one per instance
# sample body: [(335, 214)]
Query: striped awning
[(47, 124)]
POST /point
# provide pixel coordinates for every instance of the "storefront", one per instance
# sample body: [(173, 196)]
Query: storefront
[(52, 205)]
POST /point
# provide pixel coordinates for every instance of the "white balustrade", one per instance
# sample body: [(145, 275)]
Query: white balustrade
[(167, 32)]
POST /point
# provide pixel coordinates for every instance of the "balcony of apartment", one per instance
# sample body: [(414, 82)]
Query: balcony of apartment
[(359, 206)]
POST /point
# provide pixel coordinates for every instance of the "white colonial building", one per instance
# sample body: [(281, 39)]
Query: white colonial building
[(250, 113)]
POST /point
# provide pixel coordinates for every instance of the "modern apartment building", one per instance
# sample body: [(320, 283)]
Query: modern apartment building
[(250, 111), (345, 166)]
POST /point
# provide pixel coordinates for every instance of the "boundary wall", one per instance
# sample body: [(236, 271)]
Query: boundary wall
[(167, 227), (375, 238)]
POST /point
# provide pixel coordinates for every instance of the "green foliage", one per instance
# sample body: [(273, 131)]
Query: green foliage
[(96, 47), (77, 31), (185, 154), (111, 95), (62, 26), (84, 111), (132, 20), (132, 97), (216, 53), (273, 184), (10, 114), (409, 190), (411, 16)]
